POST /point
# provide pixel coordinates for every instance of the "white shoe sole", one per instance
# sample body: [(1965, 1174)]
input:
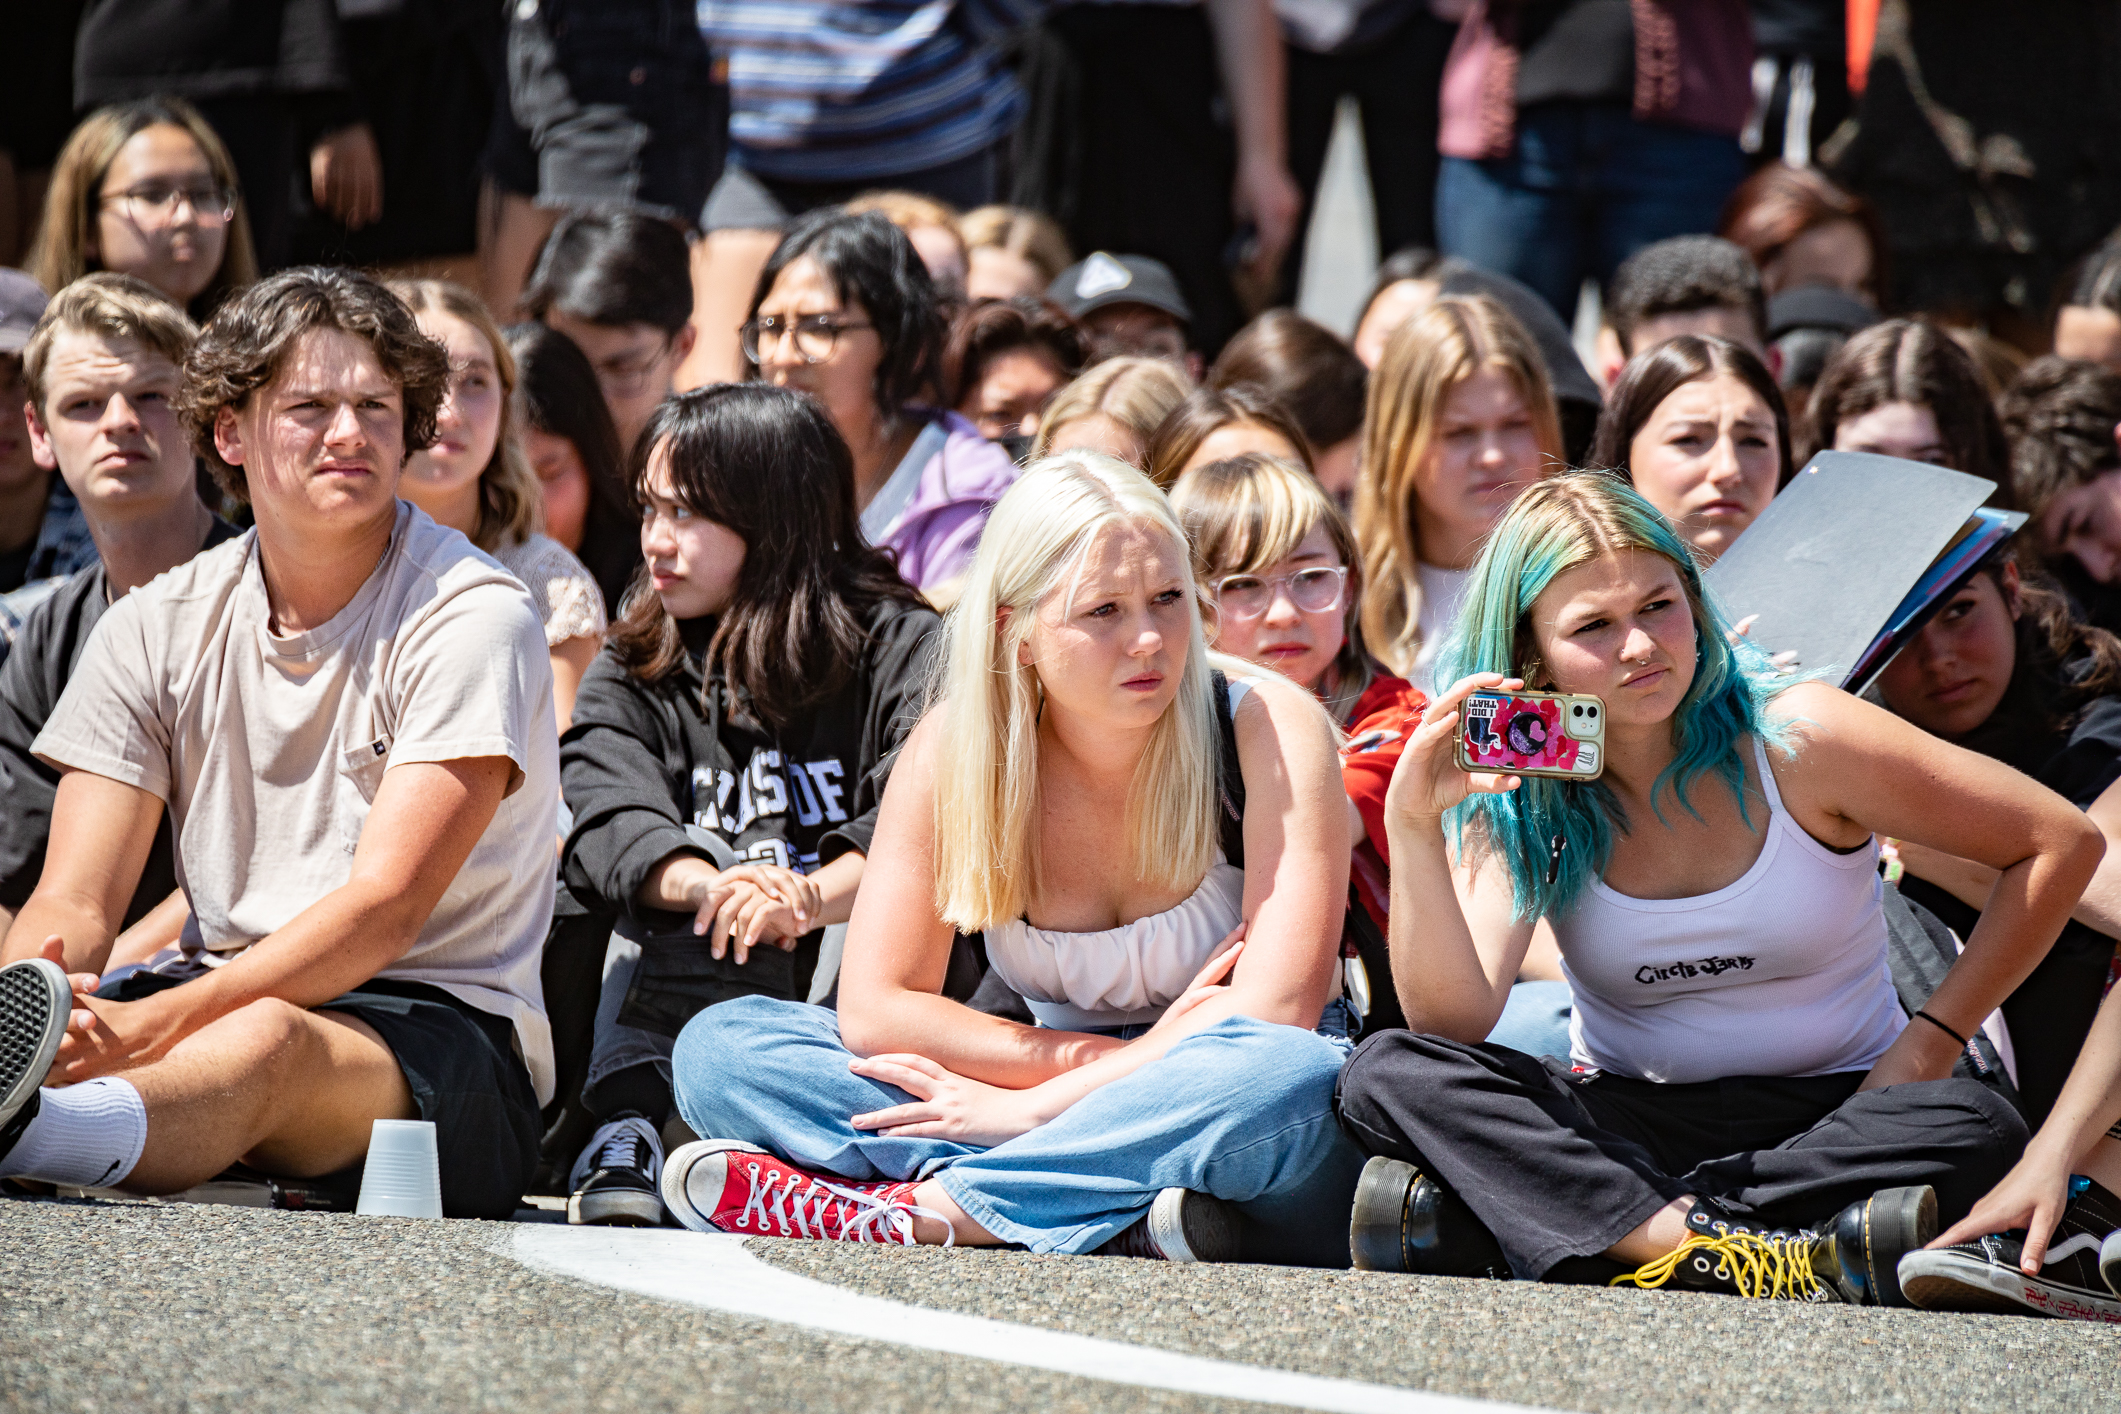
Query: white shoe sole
[(1214, 1230), (1952, 1281), (35, 1002), (615, 1207), (677, 1179), (2110, 1261)]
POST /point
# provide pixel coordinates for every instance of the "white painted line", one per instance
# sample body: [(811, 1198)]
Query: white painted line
[(715, 1272)]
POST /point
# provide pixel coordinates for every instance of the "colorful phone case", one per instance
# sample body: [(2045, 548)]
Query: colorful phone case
[(1533, 734)]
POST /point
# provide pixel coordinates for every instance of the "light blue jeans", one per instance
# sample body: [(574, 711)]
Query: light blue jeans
[(1535, 1019), (1242, 1110)]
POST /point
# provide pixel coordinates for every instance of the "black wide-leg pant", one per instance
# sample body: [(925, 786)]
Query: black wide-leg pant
[(1560, 1165)]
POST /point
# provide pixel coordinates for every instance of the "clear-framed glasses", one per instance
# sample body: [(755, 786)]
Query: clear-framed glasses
[(1316, 590), (155, 203), (628, 376), (815, 334)]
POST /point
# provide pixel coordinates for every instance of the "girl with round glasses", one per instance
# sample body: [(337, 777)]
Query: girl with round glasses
[(146, 189), (846, 313)]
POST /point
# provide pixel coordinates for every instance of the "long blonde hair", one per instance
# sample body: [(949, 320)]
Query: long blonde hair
[(511, 503), (988, 704), (1425, 359), (1137, 393), (75, 196)]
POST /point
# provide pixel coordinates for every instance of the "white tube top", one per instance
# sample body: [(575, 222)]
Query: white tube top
[(1122, 976)]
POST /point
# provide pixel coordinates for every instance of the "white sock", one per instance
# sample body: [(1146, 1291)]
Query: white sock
[(88, 1135)]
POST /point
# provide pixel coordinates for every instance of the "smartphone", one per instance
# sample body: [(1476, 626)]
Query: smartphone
[(1557, 734)]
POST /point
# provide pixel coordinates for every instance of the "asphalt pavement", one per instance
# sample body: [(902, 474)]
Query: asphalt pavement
[(140, 1306)]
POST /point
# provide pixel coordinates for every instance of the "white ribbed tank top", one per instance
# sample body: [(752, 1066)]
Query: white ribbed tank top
[(1781, 973)]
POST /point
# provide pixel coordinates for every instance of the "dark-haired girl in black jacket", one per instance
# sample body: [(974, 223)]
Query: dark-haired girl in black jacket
[(728, 750)]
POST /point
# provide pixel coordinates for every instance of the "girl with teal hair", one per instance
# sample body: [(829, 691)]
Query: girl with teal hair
[(1746, 1107)]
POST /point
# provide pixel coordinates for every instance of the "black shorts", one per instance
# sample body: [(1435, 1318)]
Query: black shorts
[(465, 1077)]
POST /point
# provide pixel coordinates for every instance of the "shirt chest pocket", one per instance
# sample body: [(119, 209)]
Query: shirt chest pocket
[(360, 773)]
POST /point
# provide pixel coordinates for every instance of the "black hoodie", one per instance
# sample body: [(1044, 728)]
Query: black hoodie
[(642, 761)]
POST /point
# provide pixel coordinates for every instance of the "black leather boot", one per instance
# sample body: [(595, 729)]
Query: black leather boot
[(1407, 1221)]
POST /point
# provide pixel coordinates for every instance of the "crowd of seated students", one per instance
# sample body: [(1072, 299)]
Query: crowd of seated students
[(1190, 939)]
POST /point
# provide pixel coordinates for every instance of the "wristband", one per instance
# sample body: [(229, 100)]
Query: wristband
[(1942, 1027)]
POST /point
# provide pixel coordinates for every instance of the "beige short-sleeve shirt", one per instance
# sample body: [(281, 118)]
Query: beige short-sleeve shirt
[(268, 749)]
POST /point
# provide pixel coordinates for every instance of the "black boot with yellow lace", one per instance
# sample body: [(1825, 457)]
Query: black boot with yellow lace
[(1851, 1258)]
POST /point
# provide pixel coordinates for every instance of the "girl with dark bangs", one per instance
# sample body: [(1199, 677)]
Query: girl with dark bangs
[(729, 748), (1745, 1109)]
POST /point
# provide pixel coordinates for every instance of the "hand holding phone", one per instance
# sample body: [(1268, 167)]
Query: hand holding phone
[(1555, 734)]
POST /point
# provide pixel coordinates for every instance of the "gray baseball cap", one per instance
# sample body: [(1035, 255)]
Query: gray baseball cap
[(1108, 279), (22, 302)]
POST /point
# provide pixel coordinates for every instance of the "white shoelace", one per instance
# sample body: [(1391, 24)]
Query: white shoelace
[(865, 1217), (624, 1143)]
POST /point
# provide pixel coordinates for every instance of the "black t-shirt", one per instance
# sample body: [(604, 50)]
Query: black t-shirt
[(31, 680), (2052, 1009), (1818, 28), (1579, 51)]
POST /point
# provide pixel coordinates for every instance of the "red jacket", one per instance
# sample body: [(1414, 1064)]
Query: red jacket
[(1378, 727)]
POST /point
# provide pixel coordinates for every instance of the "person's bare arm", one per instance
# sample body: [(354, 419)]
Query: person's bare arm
[(426, 818), (898, 950), (101, 832), (1254, 69), (1456, 943), (1860, 770), (571, 658), (1970, 883), (160, 928)]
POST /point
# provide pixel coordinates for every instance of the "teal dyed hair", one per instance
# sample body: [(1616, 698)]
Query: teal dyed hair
[(1555, 525)]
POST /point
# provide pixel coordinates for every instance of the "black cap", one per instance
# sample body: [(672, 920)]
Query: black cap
[(1106, 279), (1818, 307)]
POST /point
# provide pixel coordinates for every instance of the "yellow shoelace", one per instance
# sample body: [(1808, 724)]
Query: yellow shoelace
[(1765, 1268)]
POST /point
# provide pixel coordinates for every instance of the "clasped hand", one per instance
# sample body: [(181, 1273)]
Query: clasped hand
[(755, 903)]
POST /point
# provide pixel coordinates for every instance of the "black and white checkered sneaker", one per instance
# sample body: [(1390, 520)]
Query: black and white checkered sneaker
[(35, 1002)]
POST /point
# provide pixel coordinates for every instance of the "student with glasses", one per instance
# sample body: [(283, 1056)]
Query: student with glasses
[(619, 284), (846, 312), (147, 189)]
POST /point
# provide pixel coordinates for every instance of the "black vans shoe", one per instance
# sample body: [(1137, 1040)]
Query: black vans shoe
[(1983, 1275), (1180, 1226), (615, 1179), (1407, 1221), (35, 1002)]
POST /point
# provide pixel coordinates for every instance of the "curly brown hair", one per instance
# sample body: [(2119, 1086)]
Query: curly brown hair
[(245, 346)]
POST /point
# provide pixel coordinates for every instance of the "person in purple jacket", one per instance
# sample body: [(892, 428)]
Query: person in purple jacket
[(845, 312)]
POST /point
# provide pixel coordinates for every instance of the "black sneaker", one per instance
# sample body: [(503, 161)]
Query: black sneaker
[(614, 1181), (1180, 1226), (1407, 1221), (35, 1002), (1848, 1259), (1983, 1275)]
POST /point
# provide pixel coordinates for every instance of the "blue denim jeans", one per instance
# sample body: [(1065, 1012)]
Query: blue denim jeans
[(1242, 1110), (1585, 187), (1535, 1019)]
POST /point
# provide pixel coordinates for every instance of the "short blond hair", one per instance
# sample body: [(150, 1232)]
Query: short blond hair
[(1137, 393), (987, 780), (511, 503), (1427, 357), (109, 306), (907, 210), (1030, 236)]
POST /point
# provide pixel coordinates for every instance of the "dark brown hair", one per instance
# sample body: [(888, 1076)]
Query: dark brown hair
[(2060, 415), (1914, 361), (1652, 377), (1305, 367), (1207, 411), (245, 345), (984, 331), (1779, 203), (766, 464)]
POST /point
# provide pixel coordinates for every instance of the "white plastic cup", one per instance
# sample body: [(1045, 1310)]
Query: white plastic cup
[(402, 1177)]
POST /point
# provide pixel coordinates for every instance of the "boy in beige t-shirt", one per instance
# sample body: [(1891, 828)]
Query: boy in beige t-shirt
[(348, 715)]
